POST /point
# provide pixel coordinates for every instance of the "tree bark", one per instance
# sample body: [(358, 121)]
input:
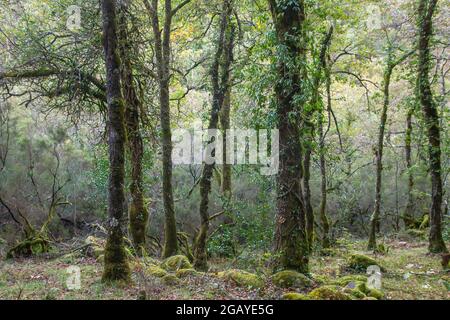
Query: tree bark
[(408, 215), (291, 243), (323, 168), (225, 125), (163, 56), (220, 74), (138, 213), (431, 116), (316, 106), (375, 219), (116, 265)]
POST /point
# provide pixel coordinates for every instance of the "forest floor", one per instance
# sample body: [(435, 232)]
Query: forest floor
[(411, 274)]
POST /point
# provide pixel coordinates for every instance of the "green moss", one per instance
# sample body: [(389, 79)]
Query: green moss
[(419, 234), (183, 273), (96, 247), (151, 261), (170, 280), (355, 293), (375, 293), (344, 281), (321, 279), (175, 263), (295, 296), (425, 222), (29, 247), (329, 293), (242, 278), (155, 271), (116, 268), (359, 262), (291, 279)]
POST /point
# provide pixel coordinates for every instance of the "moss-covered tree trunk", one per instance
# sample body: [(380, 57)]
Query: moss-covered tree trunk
[(291, 244), (325, 224), (375, 219), (138, 213), (225, 125), (220, 74), (431, 116), (408, 214), (116, 265), (310, 132), (162, 46)]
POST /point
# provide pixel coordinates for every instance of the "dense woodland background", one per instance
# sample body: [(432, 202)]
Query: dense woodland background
[(358, 89)]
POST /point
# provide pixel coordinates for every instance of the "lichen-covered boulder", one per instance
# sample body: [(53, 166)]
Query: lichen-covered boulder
[(291, 279), (242, 278), (170, 280), (96, 247), (369, 298), (175, 263), (155, 271), (375, 293), (360, 262), (295, 296), (183, 273), (329, 293)]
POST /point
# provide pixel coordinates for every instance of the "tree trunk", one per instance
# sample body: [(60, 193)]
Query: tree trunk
[(408, 215), (316, 106), (375, 220), (162, 53), (116, 265), (291, 242), (220, 73), (429, 108), (225, 125), (323, 169), (138, 213)]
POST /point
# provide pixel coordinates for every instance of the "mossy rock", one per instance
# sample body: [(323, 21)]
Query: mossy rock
[(355, 293), (155, 271), (242, 278), (170, 280), (425, 222), (321, 279), (96, 247), (291, 279), (175, 263), (150, 261), (360, 262), (329, 293), (375, 293), (344, 281), (183, 273), (295, 296)]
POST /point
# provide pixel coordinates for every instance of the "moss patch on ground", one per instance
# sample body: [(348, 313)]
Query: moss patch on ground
[(411, 274)]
